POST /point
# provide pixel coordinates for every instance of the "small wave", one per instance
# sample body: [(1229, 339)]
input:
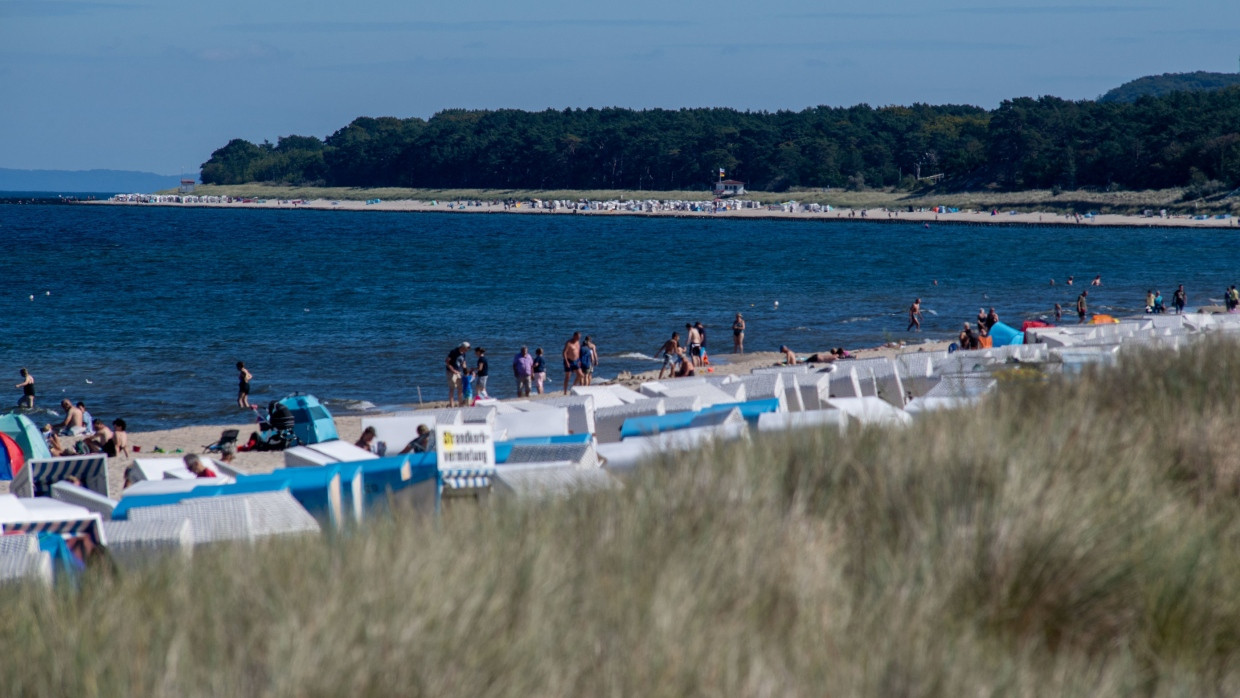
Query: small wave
[(851, 320), (351, 405), (636, 355), (932, 312)]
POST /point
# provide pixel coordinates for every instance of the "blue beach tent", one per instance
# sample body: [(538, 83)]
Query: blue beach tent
[(26, 434), (312, 422), (1003, 335)]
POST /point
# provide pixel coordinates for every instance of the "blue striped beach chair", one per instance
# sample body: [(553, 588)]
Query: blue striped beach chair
[(37, 478)]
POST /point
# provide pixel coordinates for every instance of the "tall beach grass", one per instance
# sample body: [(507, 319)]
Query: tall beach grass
[(1065, 538)]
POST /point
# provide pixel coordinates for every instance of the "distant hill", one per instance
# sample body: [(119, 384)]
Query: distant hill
[(113, 181), (1159, 85)]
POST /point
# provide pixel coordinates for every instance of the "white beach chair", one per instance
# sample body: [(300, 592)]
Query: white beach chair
[(85, 498), (38, 476)]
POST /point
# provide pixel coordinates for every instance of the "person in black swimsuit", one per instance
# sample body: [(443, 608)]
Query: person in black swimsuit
[(27, 386), (243, 386), (738, 335)]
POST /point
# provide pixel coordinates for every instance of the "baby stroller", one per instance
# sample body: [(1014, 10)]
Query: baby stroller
[(276, 431)]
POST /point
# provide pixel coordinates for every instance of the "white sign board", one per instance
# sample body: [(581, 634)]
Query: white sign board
[(465, 447)]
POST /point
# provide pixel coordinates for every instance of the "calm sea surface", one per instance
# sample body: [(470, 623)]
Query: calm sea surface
[(142, 312)]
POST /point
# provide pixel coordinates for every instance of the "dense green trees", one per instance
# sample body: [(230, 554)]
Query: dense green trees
[(1165, 84), (1175, 140)]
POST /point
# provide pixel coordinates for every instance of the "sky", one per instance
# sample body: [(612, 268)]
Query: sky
[(157, 86)]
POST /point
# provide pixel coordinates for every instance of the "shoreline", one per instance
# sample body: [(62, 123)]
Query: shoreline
[(1046, 219), (178, 441)]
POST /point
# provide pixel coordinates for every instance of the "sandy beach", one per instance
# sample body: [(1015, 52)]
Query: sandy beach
[(193, 439), (871, 215)]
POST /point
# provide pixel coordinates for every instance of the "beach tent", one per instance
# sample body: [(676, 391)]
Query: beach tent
[(26, 434), (312, 422), (1004, 334), (11, 458)]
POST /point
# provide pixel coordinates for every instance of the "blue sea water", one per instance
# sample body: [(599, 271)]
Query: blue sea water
[(143, 311)]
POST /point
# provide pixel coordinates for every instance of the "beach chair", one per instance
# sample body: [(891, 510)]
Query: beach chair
[(31, 567), (228, 437), (37, 478), (135, 542), (83, 497)]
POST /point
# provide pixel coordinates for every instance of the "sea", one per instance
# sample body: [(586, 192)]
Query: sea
[(143, 311)]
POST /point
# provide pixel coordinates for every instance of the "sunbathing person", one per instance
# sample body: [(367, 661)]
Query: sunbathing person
[(195, 466), (422, 443), (790, 358)]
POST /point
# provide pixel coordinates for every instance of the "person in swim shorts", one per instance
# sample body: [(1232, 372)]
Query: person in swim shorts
[(670, 353), (572, 361)]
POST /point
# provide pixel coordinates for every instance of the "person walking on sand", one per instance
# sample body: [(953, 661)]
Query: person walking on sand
[(27, 388), (243, 386), (1179, 299), (914, 316), (523, 371), (670, 353), (738, 335), (572, 361), (540, 370), (1082, 307)]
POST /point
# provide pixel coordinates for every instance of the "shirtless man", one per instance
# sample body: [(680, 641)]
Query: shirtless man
[(572, 361), (1082, 307), (790, 358), (72, 426), (695, 344), (669, 351), (914, 316)]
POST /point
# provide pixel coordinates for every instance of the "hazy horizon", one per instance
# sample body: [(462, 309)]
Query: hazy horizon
[(156, 88)]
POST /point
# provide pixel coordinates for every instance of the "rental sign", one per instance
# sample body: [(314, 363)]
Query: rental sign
[(465, 446)]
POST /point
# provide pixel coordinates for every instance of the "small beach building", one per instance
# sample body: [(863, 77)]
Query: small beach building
[(187, 186), (729, 187)]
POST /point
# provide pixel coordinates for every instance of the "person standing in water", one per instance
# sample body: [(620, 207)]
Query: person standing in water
[(27, 388), (243, 386), (738, 335), (1082, 307), (1179, 299), (914, 316)]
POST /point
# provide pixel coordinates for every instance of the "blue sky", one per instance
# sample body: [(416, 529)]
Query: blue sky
[(157, 86)]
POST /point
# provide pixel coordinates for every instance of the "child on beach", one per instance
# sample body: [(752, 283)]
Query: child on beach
[(482, 372), (467, 387)]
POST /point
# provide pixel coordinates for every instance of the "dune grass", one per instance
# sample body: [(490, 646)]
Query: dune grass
[(1067, 538)]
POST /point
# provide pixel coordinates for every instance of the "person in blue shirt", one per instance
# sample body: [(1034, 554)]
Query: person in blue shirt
[(589, 359), (467, 387)]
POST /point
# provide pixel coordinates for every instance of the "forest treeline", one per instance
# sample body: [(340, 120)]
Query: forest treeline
[(1181, 139)]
